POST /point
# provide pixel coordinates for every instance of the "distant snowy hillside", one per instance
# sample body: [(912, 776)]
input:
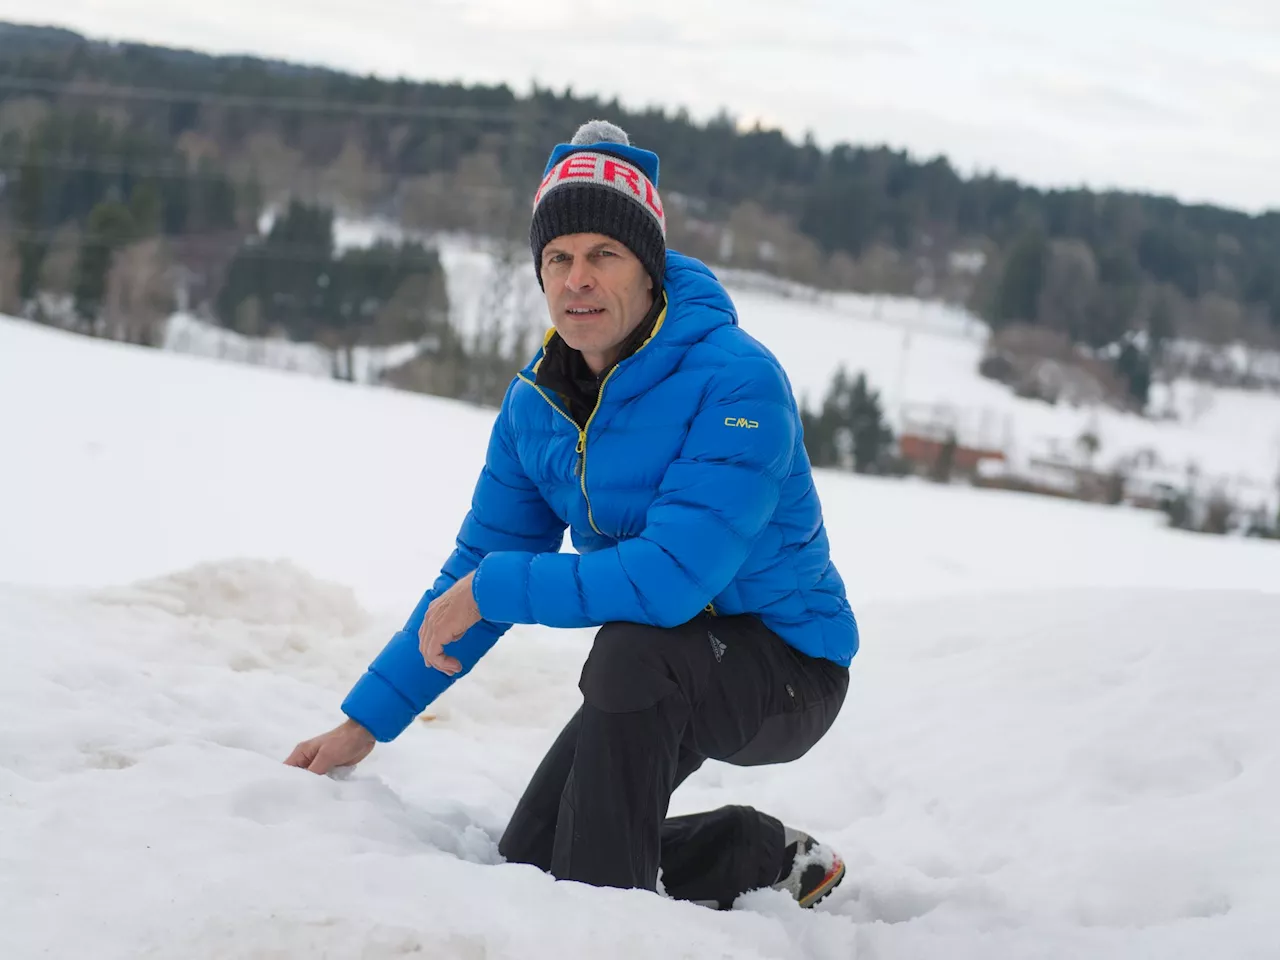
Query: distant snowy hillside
[(922, 357)]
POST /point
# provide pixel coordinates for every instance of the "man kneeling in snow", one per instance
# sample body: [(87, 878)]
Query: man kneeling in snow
[(669, 442)]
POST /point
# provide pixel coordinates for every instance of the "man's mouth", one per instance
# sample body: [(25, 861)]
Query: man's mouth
[(583, 311)]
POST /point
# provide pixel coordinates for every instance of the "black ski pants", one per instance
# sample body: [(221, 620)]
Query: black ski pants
[(656, 703)]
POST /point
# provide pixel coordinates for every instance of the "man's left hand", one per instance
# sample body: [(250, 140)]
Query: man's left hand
[(449, 616)]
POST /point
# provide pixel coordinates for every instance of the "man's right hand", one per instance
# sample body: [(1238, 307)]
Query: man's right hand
[(343, 746)]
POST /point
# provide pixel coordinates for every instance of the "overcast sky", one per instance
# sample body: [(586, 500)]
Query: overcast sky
[(1165, 96)]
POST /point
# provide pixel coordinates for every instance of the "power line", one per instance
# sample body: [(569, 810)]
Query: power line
[(263, 102), (300, 253), (117, 166)]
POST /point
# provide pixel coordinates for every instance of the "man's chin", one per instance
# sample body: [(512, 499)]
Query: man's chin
[(576, 334)]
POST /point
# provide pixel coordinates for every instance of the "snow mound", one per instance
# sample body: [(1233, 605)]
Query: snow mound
[(248, 615), (259, 592)]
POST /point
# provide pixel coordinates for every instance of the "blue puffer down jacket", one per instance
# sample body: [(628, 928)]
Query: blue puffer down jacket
[(688, 490)]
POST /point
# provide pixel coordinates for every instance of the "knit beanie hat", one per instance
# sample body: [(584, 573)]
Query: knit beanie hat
[(600, 183)]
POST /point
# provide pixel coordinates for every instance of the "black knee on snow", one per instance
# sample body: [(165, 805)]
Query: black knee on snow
[(629, 668)]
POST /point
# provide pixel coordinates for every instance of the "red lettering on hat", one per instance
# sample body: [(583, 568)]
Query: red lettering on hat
[(578, 166), (537, 197), (613, 170), (653, 201)]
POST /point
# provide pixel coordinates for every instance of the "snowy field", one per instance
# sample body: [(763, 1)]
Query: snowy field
[(1059, 740)]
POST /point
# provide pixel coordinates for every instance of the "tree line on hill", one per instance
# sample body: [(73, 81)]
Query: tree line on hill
[(215, 137)]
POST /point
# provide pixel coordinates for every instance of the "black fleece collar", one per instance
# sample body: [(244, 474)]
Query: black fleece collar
[(565, 370)]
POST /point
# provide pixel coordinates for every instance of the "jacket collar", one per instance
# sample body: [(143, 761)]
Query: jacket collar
[(565, 370), (695, 304)]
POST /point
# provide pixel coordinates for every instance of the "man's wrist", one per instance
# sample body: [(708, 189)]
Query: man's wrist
[(359, 728)]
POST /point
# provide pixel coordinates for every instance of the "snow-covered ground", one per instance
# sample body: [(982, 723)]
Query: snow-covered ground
[(187, 333), (1059, 740)]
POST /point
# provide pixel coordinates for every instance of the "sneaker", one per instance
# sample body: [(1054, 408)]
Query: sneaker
[(811, 870)]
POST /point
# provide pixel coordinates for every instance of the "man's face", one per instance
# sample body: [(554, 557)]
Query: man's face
[(597, 293)]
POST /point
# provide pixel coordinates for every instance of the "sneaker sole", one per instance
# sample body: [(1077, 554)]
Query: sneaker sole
[(822, 890)]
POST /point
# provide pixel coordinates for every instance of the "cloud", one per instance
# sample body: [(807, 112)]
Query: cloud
[(1108, 92), (1069, 96)]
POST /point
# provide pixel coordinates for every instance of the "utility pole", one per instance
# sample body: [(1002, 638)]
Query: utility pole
[(901, 388)]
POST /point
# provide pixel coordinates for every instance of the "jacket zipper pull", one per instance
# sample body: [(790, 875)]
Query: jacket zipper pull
[(582, 446)]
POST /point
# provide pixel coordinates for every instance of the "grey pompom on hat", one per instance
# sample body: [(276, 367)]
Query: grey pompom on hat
[(600, 131)]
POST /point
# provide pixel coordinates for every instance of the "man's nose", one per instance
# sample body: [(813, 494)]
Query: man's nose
[(580, 275)]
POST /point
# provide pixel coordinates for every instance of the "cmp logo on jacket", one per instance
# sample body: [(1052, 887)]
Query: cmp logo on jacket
[(742, 422)]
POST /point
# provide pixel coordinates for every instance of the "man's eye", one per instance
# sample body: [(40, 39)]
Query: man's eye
[(605, 253), (557, 258)]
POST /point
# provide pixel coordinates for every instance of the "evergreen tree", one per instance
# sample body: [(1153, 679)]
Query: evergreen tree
[(871, 434), (29, 207), (75, 159), (287, 271), (292, 279), (1160, 328), (1018, 294), (1177, 507), (814, 443), (110, 228), (145, 204), (1135, 367), (364, 283), (211, 200), (850, 431)]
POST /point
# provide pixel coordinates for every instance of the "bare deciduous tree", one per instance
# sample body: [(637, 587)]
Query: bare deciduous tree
[(768, 241), (139, 293), (10, 269), (58, 271), (269, 162), (248, 318), (197, 146), (21, 115), (417, 309), (474, 196), (879, 268), (351, 180), (1067, 292), (1218, 319)]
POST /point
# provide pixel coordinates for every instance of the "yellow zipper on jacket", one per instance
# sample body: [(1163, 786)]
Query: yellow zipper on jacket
[(581, 449)]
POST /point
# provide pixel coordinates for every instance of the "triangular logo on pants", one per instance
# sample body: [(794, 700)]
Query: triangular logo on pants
[(717, 647)]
